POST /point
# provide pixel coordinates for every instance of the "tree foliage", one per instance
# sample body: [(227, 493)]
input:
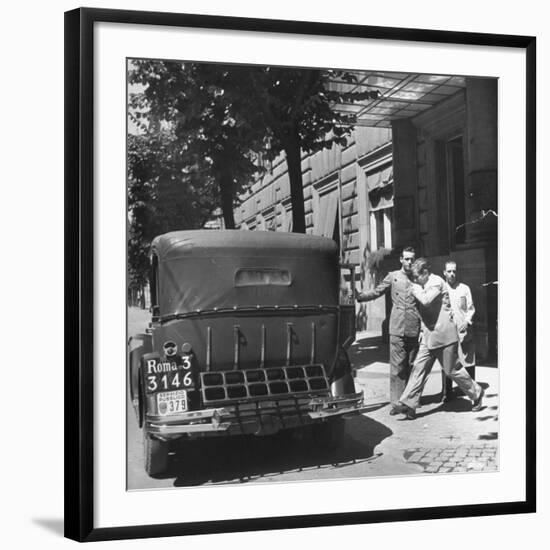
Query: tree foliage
[(298, 107), (208, 124), (164, 194), (229, 115)]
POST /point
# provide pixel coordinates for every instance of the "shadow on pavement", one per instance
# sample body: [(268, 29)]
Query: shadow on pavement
[(430, 399), (458, 404), (485, 418), (248, 458)]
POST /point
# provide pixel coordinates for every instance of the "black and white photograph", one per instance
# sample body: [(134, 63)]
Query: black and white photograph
[(312, 274), (274, 275), (300, 283)]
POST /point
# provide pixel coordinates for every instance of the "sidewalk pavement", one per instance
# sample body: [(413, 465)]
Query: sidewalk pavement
[(443, 438)]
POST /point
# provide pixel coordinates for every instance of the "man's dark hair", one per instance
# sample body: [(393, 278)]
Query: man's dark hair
[(420, 265), (408, 249), (449, 261)]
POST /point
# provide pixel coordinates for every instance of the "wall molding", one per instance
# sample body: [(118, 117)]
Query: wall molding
[(373, 159)]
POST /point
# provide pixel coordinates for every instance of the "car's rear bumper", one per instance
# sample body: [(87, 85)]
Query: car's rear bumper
[(257, 417)]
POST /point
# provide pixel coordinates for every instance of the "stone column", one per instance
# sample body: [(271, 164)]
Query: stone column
[(482, 188), (482, 143), (405, 177)]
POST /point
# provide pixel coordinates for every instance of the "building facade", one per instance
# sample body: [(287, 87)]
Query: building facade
[(420, 169)]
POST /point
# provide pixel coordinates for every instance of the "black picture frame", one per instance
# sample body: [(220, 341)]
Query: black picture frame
[(79, 269)]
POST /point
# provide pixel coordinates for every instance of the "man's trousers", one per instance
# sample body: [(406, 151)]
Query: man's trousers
[(466, 355), (403, 350), (448, 357)]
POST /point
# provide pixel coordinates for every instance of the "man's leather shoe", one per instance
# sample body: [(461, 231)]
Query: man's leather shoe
[(410, 414), (477, 405), (398, 408), (393, 411)]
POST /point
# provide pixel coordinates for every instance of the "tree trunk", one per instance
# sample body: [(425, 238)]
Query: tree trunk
[(294, 164), (226, 198)]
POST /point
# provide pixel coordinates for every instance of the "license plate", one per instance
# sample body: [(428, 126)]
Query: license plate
[(169, 376), (172, 402)]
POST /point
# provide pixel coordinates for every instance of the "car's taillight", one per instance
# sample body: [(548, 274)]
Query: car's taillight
[(186, 348)]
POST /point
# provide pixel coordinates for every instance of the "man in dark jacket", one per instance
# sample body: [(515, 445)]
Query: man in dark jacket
[(404, 323)]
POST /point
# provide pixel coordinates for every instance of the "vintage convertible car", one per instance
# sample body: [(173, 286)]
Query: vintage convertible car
[(247, 336)]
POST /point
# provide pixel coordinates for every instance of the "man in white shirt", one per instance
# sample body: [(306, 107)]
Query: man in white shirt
[(463, 310)]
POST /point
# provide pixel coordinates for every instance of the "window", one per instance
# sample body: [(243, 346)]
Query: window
[(328, 215), (380, 193), (260, 223), (262, 277), (381, 224)]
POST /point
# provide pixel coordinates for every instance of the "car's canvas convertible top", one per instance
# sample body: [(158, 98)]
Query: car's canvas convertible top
[(206, 269), (204, 242)]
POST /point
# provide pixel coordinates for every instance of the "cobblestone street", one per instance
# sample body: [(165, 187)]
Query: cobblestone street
[(445, 437), (462, 458)]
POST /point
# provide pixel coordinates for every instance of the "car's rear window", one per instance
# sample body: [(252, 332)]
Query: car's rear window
[(262, 277)]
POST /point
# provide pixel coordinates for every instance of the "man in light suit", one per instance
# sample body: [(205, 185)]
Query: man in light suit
[(404, 323), (439, 340)]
